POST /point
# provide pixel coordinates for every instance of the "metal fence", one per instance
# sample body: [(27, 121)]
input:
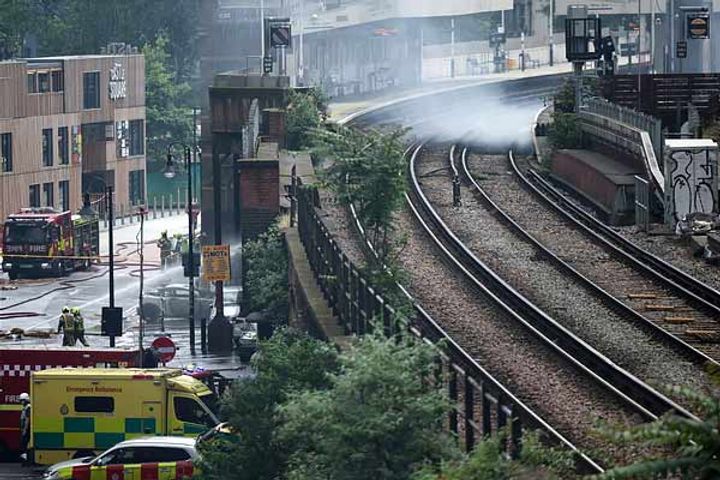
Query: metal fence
[(482, 405), (630, 117)]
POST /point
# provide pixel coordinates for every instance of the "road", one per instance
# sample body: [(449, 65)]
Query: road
[(13, 471), (35, 305)]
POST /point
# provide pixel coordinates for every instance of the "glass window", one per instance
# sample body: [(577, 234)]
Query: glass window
[(43, 82), (16, 234), (120, 456), (91, 90), (63, 146), (58, 81), (137, 137), (189, 410), (32, 82), (47, 148), (137, 187), (64, 187), (49, 194), (94, 404), (35, 196), (6, 152), (164, 454)]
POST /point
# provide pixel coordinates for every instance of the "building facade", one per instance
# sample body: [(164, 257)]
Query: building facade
[(71, 125)]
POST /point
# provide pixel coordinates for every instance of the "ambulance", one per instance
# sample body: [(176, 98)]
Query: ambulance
[(78, 412)]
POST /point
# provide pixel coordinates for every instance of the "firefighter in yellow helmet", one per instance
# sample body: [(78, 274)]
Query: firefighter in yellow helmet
[(79, 326), (66, 324), (165, 246)]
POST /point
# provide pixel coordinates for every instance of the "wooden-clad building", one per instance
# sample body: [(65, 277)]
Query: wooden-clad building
[(70, 125)]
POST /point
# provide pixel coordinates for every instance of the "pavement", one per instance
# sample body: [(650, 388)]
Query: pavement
[(14, 471)]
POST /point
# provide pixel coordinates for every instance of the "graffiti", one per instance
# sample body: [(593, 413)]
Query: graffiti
[(691, 178)]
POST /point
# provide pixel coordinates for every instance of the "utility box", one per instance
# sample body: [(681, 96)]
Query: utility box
[(691, 181)]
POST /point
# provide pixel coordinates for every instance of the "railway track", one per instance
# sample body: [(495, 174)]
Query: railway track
[(673, 303), (556, 284), (577, 360)]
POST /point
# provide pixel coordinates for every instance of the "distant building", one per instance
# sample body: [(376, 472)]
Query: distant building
[(70, 125)]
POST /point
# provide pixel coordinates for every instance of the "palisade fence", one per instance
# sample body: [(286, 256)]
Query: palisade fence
[(158, 206), (482, 406), (628, 116)]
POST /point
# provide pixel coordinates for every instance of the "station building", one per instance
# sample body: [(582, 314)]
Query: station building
[(70, 125)]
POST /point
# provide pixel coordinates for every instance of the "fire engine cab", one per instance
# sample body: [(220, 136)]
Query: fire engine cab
[(45, 241)]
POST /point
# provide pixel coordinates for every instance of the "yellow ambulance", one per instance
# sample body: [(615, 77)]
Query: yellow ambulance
[(78, 412)]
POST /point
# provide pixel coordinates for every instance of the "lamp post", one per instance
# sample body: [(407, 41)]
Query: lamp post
[(170, 172)]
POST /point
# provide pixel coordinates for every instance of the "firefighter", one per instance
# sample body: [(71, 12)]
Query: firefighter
[(79, 326), (25, 427), (67, 325), (164, 245)]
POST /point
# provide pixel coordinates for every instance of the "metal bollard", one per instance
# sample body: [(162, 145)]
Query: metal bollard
[(154, 207), (162, 207), (122, 214), (203, 335), (177, 205), (170, 206)]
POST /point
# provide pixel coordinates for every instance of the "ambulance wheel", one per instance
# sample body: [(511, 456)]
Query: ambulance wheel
[(83, 453)]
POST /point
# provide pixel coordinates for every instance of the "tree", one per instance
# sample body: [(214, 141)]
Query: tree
[(305, 112), (381, 418), (690, 447), (169, 118), (367, 170), (266, 276), (289, 362), (565, 131)]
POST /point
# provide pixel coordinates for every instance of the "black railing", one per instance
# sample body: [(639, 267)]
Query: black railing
[(482, 406)]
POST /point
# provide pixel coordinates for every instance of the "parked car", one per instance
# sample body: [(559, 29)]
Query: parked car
[(245, 336), (173, 301), (147, 457)]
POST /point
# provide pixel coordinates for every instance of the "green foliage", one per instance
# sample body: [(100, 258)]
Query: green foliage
[(487, 462), (289, 362), (266, 276), (17, 19), (565, 131), (367, 171), (380, 419), (169, 119), (305, 112), (690, 447), (564, 98)]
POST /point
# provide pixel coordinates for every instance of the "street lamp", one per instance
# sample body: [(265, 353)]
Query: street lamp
[(169, 172)]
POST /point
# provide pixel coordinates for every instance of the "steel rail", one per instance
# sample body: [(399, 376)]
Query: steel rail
[(647, 401)]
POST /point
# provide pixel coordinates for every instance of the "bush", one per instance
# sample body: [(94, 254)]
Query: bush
[(266, 279), (565, 131), (305, 113)]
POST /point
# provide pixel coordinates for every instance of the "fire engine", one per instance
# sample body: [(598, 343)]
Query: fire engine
[(45, 241), (18, 362)]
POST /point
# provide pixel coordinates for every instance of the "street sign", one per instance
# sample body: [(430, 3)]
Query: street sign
[(681, 49), (165, 347), (497, 39), (267, 64), (280, 36), (216, 263), (698, 26)]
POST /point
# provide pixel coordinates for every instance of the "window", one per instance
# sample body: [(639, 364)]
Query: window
[(188, 410), (63, 146), (43, 82), (32, 82), (91, 90), (163, 454), (6, 152), (58, 81), (34, 196), (120, 456), (94, 404), (64, 187), (137, 137), (49, 194), (137, 187), (47, 148)]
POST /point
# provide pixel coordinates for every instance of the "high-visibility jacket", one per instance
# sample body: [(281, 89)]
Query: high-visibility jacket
[(79, 323), (66, 323), (138, 471)]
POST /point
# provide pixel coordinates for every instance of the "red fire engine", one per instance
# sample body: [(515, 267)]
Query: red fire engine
[(42, 241), (16, 364)]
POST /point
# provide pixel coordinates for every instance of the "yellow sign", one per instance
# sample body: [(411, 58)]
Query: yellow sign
[(216, 263)]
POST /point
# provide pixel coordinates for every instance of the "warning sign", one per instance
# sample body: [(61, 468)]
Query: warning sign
[(698, 26), (216, 263), (280, 36)]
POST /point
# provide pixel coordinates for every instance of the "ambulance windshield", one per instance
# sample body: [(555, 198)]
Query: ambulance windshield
[(211, 402)]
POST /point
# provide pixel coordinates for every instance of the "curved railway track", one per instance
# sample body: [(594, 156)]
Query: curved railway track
[(556, 285), (673, 301), (578, 359)]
